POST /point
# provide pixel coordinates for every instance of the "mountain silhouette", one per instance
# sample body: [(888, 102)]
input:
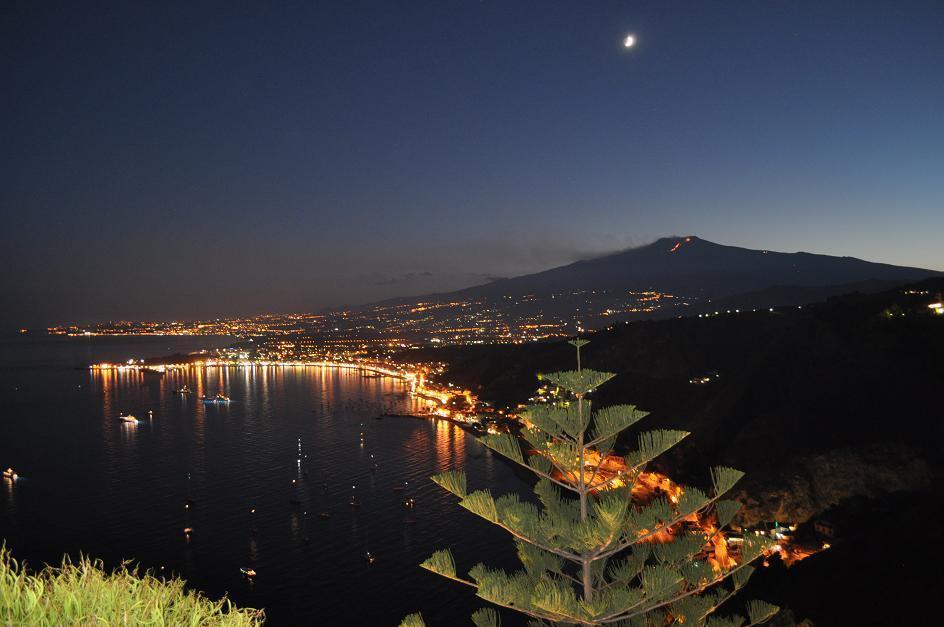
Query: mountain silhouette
[(693, 266)]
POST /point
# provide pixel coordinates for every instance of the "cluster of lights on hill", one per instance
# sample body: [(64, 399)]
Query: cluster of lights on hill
[(502, 320)]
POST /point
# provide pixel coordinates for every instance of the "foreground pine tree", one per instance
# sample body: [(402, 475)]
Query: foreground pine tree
[(592, 552)]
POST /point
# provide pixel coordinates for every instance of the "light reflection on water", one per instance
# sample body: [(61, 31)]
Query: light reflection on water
[(119, 491)]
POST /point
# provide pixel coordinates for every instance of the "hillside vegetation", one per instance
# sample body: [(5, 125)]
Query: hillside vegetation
[(83, 593)]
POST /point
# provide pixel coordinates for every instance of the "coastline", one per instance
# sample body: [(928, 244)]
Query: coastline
[(416, 379)]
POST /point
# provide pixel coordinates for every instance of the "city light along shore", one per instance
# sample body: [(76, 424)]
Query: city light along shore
[(443, 396)]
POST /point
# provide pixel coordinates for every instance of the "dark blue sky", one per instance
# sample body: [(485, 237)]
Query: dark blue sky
[(165, 159)]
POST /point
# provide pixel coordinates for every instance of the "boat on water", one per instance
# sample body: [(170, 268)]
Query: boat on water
[(9, 473), (370, 557), (183, 391), (130, 419), (219, 398), (247, 571)]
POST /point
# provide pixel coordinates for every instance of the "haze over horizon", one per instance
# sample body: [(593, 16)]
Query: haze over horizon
[(404, 282), (179, 161)]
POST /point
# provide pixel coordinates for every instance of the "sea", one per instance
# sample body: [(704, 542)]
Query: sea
[(265, 482)]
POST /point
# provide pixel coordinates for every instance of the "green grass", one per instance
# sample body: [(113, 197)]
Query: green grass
[(83, 593)]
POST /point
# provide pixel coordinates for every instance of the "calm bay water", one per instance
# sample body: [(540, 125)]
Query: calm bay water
[(94, 485)]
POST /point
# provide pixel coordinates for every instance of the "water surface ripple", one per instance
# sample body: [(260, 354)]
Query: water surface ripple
[(94, 485)]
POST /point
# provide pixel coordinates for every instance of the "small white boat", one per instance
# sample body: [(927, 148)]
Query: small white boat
[(128, 418), (219, 398), (9, 473), (183, 390)]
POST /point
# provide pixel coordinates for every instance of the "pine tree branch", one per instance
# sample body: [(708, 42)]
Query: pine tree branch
[(573, 557), (562, 471), (627, 613), (561, 573), (595, 555), (724, 598), (660, 528), (609, 584), (596, 441), (635, 470), (757, 623), (456, 578), (543, 474), (603, 457), (523, 462), (554, 618)]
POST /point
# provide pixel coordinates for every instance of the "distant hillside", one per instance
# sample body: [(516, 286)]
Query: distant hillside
[(852, 380), (833, 410), (696, 267)]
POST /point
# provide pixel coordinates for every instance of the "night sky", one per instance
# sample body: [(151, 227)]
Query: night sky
[(172, 160)]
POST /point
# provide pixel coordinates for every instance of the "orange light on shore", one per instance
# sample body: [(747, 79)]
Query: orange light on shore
[(416, 379)]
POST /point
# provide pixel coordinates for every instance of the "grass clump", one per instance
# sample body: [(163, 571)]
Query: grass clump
[(83, 593)]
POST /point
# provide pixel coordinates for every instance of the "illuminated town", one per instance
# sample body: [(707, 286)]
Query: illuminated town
[(507, 320)]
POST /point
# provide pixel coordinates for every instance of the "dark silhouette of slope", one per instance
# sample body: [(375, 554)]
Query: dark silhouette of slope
[(817, 378), (832, 409), (781, 295), (692, 266)]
